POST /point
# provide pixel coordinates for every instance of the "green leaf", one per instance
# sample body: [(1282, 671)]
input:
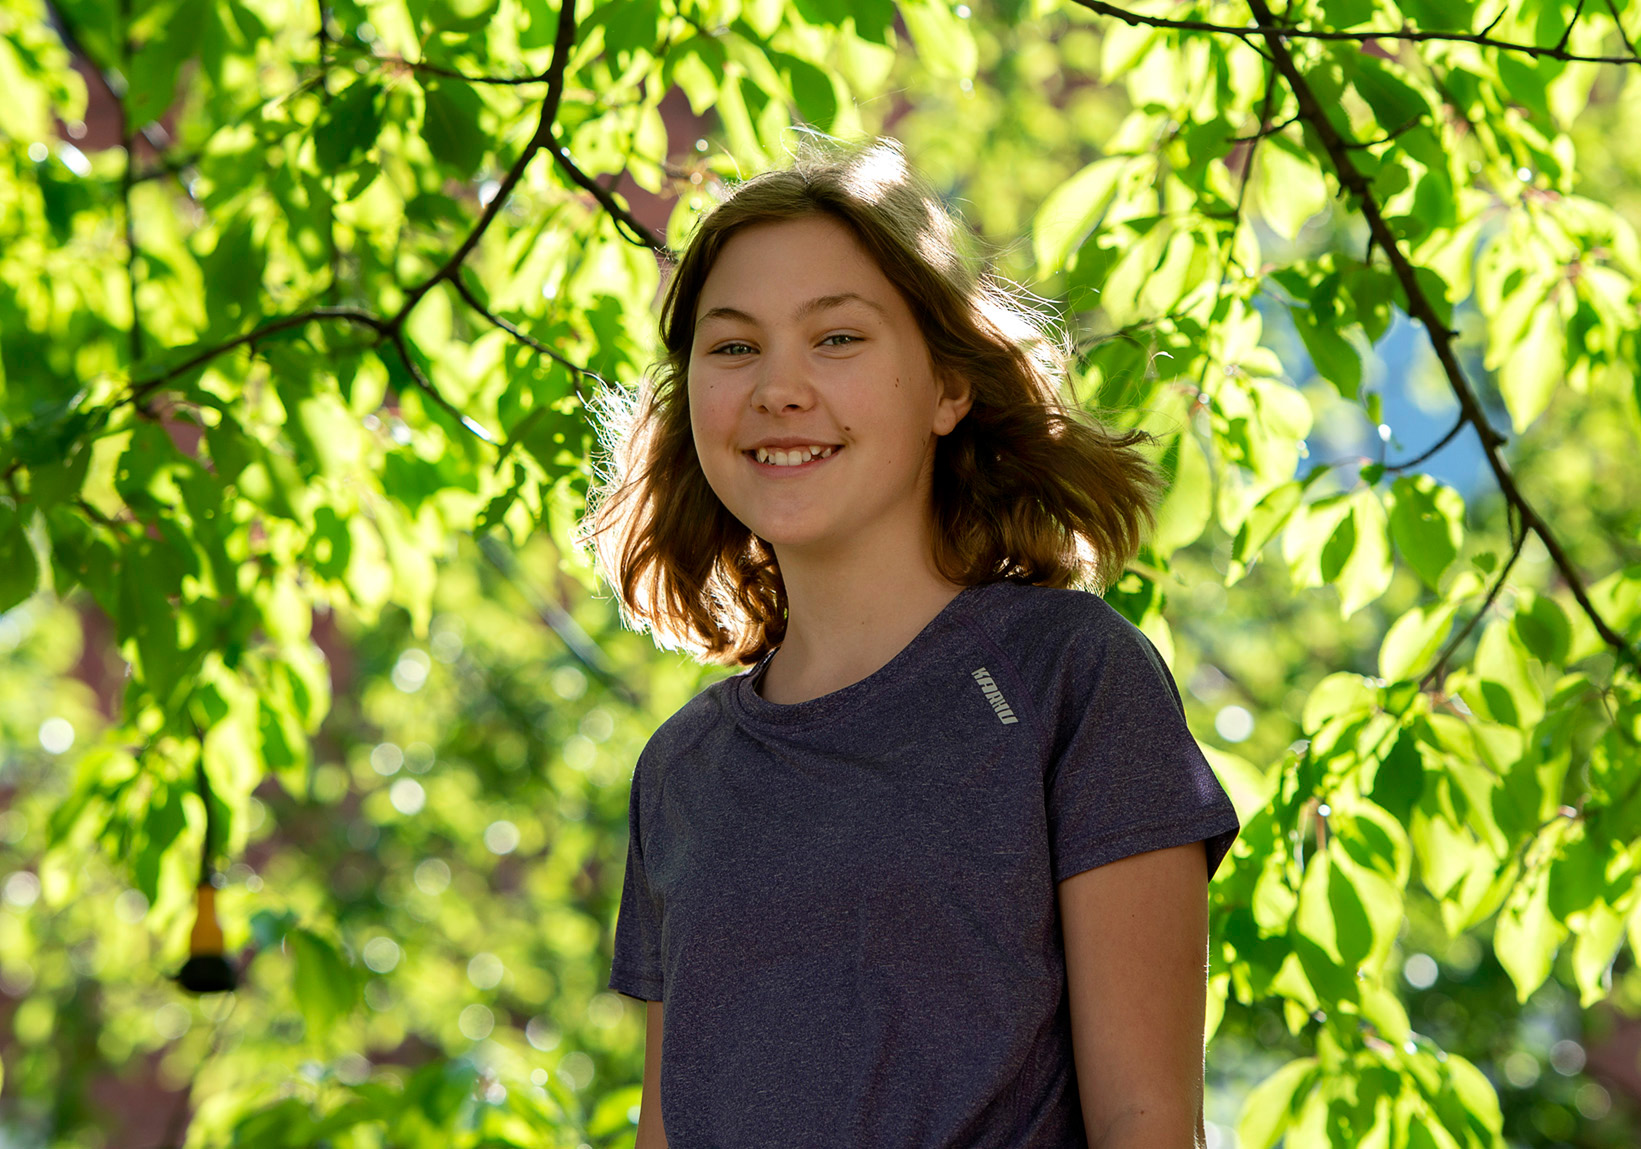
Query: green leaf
[(1268, 516), (1309, 530), (325, 985), (1348, 13), (812, 91), (162, 823), (1505, 690), (1393, 99), (461, 15), (1533, 369), (19, 569), (945, 45), (1289, 185), (25, 113), (1542, 627), (1380, 899), (1072, 208), (1350, 912), (1356, 557), (1412, 642), (1185, 512), (450, 125), (1474, 1093), (348, 127), (1398, 779), (1526, 935), (1332, 355), (1274, 1104), (1427, 524), (152, 73), (696, 66)]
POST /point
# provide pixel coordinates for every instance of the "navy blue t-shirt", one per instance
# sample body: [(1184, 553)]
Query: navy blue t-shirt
[(847, 905)]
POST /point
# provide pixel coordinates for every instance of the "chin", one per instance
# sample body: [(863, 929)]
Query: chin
[(788, 534)]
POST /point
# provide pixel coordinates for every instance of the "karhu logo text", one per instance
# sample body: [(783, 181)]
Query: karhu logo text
[(995, 696)]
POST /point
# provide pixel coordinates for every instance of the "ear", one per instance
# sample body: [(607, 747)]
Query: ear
[(956, 397)]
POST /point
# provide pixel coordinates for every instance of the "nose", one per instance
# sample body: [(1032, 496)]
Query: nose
[(782, 383)]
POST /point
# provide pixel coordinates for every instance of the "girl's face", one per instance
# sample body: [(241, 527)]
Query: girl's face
[(813, 401)]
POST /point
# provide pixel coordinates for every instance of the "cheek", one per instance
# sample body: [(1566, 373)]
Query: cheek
[(711, 419)]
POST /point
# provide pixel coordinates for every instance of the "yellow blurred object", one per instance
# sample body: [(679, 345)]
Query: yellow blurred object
[(206, 938)]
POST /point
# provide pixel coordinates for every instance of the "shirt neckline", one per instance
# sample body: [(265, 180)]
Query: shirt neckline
[(755, 708)]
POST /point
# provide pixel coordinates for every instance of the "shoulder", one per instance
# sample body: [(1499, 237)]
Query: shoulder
[(1031, 623), (690, 725), (1069, 646)]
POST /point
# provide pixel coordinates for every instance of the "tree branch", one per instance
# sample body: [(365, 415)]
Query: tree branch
[(1567, 34), (391, 328), (332, 259), (457, 74), (625, 222), (1241, 199), (522, 336), (1269, 130), (127, 174), (579, 643), (396, 336), (1622, 35), (1458, 425), (1421, 308), (1268, 29), (1439, 667), (363, 318), (543, 135)]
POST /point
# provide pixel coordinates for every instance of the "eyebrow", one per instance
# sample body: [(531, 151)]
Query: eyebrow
[(804, 310)]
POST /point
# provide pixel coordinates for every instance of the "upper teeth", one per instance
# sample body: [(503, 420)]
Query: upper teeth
[(791, 456)]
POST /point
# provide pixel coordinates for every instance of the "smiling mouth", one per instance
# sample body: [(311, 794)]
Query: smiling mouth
[(792, 456)]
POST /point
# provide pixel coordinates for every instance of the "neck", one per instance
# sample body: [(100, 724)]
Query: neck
[(850, 611)]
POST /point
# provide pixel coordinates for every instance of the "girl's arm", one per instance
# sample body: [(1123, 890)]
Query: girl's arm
[(1136, 941), (651, 1135)]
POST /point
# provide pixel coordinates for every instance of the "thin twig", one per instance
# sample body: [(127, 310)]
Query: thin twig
[(1458, 425), (1267, 131), (396, 336), (522, 336), (127, 139), (579, 643), (456, 74), (1439, 668), (1267, 29), (332, 260), (1623, 35), (1390, 135), (1571, 24), (626, 223), (351, 315)]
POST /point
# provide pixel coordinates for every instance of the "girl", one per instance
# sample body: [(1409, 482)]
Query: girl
[(931, 872)]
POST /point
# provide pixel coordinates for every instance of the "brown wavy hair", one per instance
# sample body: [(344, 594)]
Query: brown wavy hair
[(1026, 487)]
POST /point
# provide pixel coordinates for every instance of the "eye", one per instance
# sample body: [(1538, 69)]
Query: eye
[(839, 340), (734, 348)]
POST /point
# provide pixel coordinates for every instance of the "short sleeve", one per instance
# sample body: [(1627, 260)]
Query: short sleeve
[(1127, 776), (636, 967)]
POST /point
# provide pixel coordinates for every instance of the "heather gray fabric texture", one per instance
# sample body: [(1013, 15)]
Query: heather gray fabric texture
[(847, 905)]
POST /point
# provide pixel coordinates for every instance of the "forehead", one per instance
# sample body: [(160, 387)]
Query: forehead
[(767, 268)]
